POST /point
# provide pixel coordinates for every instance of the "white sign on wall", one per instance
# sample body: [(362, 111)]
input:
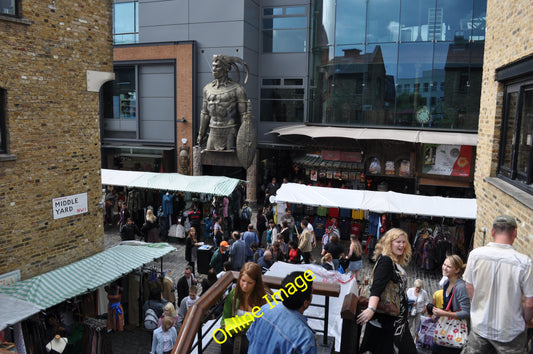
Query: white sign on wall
[(70, 205), (10, 278)]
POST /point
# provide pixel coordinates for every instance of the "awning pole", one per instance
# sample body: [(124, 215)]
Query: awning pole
[(161, 266)]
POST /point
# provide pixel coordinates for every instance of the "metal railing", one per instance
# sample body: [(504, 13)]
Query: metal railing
[(192, 324)]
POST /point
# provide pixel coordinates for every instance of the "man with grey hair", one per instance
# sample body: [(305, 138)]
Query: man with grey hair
[(499, 281), (265, 261)]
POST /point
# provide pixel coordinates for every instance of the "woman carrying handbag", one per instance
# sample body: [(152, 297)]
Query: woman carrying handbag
[(451, 331)]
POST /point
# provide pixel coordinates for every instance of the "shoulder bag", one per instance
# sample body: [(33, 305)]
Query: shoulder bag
[(389, 301), (451, 332)]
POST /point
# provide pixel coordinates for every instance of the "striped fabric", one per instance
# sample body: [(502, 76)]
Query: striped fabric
[(49, 289), (221, 186)]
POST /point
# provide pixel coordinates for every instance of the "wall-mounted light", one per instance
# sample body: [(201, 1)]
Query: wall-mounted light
[(181, 120), (184, 141)]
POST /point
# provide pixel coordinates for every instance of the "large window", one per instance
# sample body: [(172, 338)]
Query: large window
[(282, 100), (9, 7), (125, 22), (284, 29), (380, 68), (140, 103), (3, 109), (516, 152)]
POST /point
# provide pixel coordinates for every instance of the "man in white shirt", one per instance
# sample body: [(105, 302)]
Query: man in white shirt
[(497, 279)]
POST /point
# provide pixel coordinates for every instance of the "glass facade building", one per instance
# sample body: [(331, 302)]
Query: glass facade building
[(407, 63)]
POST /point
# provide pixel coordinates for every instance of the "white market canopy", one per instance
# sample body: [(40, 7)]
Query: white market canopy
[(413, 136), (49, 289), (217, 185), (379, 202)]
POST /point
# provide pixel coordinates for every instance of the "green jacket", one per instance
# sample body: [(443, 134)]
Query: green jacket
[(228, 306), (217, 261)]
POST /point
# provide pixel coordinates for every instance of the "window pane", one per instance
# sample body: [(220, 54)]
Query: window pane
[(479, 20), (324, 23), (350, 25), (272, 82), (125, 23), (284, 22), (379, 92), (414, 67), (454, 20), (418, 20), (120, 97), (284, 41), (298, 10), (512, 99), (293, 82), (383, 26), (7, 7), (282, 111), (282, 94), (524, 143)]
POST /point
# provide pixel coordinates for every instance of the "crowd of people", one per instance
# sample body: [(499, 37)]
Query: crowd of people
[(489, 300), (484, 306)]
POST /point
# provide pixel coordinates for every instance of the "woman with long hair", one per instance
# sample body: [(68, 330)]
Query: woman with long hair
[(191, 244), (454, 290), (151, 227), (354, 256), (164, 337), (387, 330), (248, 293)]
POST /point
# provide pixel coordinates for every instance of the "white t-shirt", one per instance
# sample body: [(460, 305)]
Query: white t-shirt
[(500, 276), (421, 300)]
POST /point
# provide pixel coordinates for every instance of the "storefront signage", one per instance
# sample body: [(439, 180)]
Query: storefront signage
[(347, 156), (70, 205), (447, 160), (10, 278)]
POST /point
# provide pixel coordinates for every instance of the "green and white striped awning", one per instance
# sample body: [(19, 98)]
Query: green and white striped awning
[(217, 185), (52, 288)]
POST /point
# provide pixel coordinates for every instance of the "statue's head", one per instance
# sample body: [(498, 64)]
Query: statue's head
[(222, 64)]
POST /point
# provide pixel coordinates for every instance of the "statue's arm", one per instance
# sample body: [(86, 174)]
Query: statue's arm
[(243, 104)]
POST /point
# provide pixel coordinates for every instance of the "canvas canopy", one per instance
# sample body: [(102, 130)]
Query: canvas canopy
[(380, 202), (13, 310), (217, 185), (49, 289), (413, 136)]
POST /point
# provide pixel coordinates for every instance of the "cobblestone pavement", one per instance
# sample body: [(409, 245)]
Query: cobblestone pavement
[(137, 340)]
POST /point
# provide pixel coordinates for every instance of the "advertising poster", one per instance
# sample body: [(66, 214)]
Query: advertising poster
[(447, 160)]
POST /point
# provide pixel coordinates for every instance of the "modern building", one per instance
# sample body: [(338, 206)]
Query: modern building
[(504, 171), (334, 86), (55, 57)]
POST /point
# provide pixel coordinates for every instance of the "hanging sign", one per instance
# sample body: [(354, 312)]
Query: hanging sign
[(68, 206), (10, 278)]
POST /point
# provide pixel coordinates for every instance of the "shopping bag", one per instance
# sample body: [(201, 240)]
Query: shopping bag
[(426, 332), (451, 332)]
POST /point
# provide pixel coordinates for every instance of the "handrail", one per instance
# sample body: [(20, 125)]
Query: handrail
[(194, 317)]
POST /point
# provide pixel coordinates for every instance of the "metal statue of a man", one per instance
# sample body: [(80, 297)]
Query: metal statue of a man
[(226, 111)]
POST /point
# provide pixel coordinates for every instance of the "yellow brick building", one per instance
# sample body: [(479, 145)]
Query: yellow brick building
[(504, 166), (55, 57)]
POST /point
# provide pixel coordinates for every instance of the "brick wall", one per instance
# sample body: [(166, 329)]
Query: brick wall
[(53, 129), (507, 39)]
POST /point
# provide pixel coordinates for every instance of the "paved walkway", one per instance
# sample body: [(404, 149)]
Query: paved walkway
[(137, 340)]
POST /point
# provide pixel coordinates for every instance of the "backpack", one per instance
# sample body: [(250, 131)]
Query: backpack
[(245, 212), (150, 320)]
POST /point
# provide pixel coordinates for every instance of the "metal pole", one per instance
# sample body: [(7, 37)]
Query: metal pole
[(326, 309), (200, 349)]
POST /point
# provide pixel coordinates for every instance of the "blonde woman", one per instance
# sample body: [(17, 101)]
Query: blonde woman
[(164, 337), (388, 332), (327, 262), (454, 291), (354, 256), (170, 311), (151, 227)]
